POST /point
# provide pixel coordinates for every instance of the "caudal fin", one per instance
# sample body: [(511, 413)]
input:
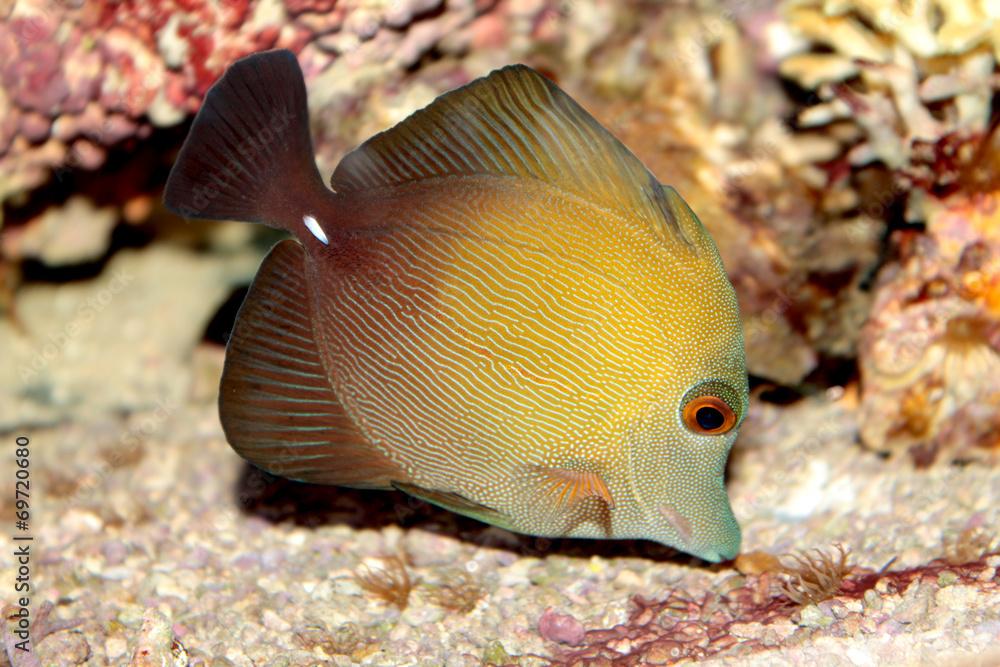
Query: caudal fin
[(248, 155)]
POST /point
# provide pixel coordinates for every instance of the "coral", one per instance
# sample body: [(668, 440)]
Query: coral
[(82, 77), (906, 90), (387, 580), (930, 353), (969, 545), (916, 78), (814, 576), (460, 593)]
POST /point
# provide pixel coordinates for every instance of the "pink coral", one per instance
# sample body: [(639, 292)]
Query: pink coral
[(296, 7), (34, 78), (930, 353), (78, 78)]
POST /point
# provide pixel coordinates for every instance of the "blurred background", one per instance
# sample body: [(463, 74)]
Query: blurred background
[(844, 154)]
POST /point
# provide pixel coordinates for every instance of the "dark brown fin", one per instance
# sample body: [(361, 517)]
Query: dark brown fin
[(248, 155), (514, 122), (458, 504), (276, 404)]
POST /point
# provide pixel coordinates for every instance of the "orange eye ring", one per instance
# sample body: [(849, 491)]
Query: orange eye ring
[(709, 415)]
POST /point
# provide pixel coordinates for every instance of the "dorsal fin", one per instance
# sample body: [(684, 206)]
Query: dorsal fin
[(513, 123)]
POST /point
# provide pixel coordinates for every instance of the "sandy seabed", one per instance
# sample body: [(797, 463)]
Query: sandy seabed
[(154, 542)]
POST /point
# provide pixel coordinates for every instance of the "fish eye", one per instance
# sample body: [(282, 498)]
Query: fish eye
[(708, 415)]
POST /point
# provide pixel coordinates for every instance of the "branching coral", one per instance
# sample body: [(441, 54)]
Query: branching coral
[(916, 78)]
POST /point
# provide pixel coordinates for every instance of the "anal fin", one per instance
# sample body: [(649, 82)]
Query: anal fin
[(277, 406), (458, 504)]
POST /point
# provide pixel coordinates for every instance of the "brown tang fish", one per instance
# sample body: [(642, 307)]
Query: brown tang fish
[(497, 309)]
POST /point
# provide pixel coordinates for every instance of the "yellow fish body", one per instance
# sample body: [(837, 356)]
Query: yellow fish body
[(497, 309)]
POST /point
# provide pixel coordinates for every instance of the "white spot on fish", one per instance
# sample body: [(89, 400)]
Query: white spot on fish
[(317, 231)]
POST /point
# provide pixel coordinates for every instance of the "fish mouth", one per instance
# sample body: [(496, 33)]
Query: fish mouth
[(729, 552), (715, 556)]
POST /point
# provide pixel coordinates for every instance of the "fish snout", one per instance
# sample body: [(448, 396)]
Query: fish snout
[(712, 536), (724, 552)]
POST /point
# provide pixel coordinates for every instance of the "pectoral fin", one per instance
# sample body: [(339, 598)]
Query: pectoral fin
[(565, 487), (458, 504)]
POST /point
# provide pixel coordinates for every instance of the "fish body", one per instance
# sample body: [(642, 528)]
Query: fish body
[(496, 308)]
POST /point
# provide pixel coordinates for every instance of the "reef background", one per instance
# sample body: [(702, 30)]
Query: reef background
[(845, 156)]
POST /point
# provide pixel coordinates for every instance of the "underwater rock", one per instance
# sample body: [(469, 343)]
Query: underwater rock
[(561, 628), (156, 646), (913, 114), (930, 354), (73, 233), (97, 71), (114, 344)]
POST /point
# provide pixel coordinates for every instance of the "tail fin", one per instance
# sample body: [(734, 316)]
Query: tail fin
[(248, 155)]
